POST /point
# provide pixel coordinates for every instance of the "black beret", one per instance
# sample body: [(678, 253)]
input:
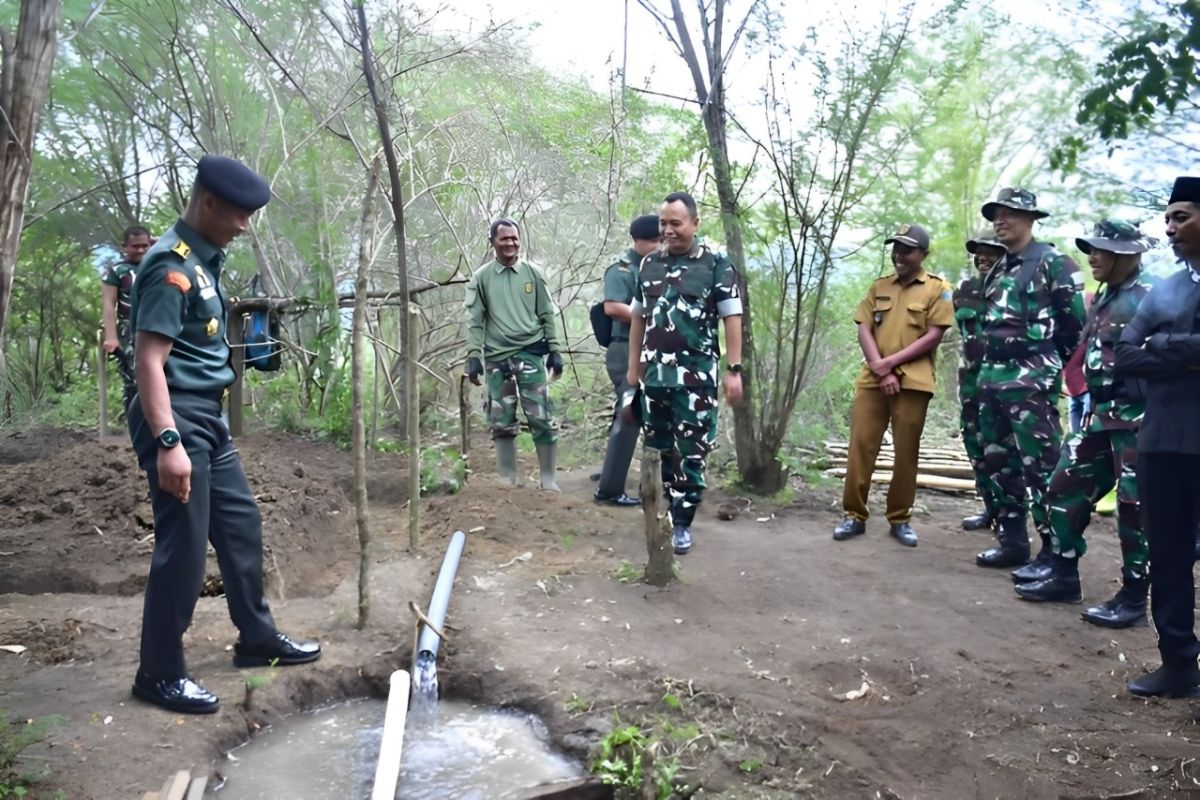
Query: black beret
[(231, 180), (645, 227), (1186, 190)]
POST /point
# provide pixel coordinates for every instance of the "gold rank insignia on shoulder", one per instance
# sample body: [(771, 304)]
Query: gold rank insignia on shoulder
[(529, 287), (212, 327), (181, 249)]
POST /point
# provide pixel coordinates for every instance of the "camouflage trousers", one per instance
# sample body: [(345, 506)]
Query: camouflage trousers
[(521, 378), (681, 422), (124, 359), (1090, 466), (973, 443), (1022, 433)]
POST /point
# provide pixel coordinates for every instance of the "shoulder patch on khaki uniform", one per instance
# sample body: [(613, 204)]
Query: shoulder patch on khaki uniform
[(181, 249)]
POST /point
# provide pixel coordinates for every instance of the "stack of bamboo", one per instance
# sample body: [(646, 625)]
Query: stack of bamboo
[(942, 468)]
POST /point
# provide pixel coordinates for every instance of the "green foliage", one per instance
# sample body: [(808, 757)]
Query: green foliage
[(576, 704), (443, 471), (628, 572), (1150, 75), (750, 765), (625, 756), (15, 737)]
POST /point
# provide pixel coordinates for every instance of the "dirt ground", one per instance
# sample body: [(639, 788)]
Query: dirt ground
[(740, 670)]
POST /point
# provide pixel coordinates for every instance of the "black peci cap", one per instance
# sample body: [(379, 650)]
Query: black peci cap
[(1186, 190), (232, 181), (645, 228)]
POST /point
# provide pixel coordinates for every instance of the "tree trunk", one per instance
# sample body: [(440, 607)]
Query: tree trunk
[(660, 568), (358, 436), (24, 85)]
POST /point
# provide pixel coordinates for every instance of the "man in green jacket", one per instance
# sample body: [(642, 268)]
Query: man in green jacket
[(512, 334)]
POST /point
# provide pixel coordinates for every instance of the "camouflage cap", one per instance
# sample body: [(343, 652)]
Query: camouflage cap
[(910, 235), (985, 238), (1115, 236), (1014, 198)]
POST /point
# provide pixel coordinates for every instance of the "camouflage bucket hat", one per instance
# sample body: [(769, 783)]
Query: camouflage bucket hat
[(1115, 236), (985, 238), (1014, 198)]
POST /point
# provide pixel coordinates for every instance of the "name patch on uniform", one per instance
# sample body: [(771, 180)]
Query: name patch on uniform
[(529, 288), (208, 292), (179, 281), (212, 327), (202, 278)]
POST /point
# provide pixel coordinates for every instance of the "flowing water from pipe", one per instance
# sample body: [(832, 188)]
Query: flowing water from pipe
[(456, 750)]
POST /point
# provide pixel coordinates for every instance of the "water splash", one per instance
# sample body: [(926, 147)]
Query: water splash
[(424, 684)]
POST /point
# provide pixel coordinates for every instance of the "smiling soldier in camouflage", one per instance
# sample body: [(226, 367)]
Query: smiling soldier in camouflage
[(1032, 324), (1104, 454), (683, 289)]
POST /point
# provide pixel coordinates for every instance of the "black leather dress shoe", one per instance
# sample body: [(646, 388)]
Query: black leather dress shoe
[(177, 694), (621, 499), (1168, 681), (904, 534), (278, 651), (849, 528), (977, 522)]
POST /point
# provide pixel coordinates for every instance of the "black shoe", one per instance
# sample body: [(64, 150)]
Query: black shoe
[(279, 650), (1126, 610), (977, 522), (1062, 585), (904, 534), (1176, 680), (621, 499), (1037, 570), (1003, 556), (849, 528), (178, 694)]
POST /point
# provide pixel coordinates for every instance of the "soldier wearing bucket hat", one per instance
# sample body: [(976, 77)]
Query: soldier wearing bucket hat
[(986, 251), (1103, 454), (197, 485), (1161, 345), (900, 322), (1033, 321)]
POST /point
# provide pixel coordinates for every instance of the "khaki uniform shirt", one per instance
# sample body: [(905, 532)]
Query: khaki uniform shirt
[(898, 316)]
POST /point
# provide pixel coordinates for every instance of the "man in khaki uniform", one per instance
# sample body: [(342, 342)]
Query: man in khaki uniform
[(900, 322)]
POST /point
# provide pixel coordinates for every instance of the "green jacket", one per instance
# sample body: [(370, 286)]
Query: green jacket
[(177, 294), (509, 310), (620, 283)]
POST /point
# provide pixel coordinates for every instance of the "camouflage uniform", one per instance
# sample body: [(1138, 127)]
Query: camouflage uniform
[(512, 328), (969, 308), (121, 275), (1032, 323), (1104, 454), (682, 297)]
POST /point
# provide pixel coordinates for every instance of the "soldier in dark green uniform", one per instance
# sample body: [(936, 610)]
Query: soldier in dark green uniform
[(116, 284), (512, 332), (1104, 454), (969, 305), (683, 289), (620, 282), (197, 487), (1032, 324)]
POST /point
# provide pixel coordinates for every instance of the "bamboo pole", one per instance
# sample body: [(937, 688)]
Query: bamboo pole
[(414, 432), (660, 568), (102, 383)]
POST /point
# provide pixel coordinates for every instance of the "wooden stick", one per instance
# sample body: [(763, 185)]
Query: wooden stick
[(660, 568)]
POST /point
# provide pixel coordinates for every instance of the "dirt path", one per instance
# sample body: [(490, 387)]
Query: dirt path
[(736, 671)]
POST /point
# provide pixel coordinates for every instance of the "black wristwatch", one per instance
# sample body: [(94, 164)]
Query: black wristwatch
[(168, 438), (736, 369)]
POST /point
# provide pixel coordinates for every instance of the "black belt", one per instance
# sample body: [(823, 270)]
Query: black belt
[(1010, 351)]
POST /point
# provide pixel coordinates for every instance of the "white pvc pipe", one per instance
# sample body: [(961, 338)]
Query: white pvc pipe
[(387, 771)]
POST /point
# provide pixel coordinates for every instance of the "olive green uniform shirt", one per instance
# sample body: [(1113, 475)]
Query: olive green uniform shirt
[(177, 294), (620, 283), (898, 316), (509, 310)]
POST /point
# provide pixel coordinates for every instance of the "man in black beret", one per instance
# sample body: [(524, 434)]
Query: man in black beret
[(197, 487), (620, 281), (1161, 346)]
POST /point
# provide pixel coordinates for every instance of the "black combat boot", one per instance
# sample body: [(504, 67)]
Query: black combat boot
[(1126, 610), (1061, 586), (978, 522), (1013, 549), (1172, 679), (1039, 569)]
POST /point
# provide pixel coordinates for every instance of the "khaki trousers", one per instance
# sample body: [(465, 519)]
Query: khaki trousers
[(870, 415)]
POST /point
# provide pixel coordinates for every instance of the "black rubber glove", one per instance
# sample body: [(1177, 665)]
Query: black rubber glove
[(474, 369), (554, 363)]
